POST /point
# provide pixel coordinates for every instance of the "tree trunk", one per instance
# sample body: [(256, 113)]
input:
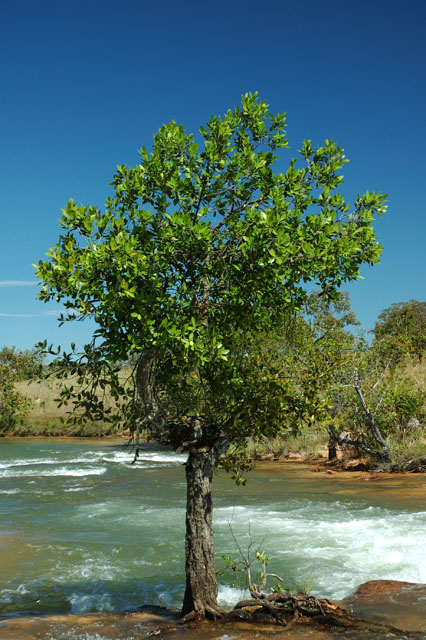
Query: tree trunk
[(201, 583), (205, 443), (332, 448), (371, 422)]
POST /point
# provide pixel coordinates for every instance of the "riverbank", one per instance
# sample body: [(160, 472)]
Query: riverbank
[(377, 610), (406, 438), (316, 457)]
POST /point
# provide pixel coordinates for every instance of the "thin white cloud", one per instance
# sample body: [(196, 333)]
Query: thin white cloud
[(51, 312), (18, 283), (19, 315)]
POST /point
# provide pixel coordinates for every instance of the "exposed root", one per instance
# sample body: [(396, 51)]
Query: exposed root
[(189, 617), (214, 613), (285, 609), (211, 613)]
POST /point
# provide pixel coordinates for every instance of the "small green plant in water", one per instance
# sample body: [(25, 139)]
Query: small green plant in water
[(257, 589)]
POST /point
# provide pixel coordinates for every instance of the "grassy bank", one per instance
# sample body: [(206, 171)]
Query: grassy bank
[(306, 445), (407, 439), (46, 418)]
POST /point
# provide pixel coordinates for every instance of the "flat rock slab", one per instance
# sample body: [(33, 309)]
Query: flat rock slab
[(144, 626), (97, 625), (387, 602), (401, 604)]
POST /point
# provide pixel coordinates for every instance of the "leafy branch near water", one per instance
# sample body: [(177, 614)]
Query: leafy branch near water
[(245, 565), (33, 398), (308, 366)]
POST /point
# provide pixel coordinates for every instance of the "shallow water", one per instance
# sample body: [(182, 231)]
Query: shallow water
[(81, 529)]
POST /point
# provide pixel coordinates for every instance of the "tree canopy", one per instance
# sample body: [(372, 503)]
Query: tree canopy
[(402, 326), (201, 239), (15, 365), (203, 244), (22, 364)]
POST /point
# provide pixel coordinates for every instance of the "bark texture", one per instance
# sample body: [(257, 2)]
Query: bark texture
[(154, 414), (200, 598)]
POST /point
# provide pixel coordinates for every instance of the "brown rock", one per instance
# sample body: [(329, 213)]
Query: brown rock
[(347, 451), (401, 604), (379, 587)]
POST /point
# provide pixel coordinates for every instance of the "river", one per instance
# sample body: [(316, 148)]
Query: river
[(83, 530)]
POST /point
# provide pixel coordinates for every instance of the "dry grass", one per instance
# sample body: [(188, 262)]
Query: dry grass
[(306, 444), (47, 418), (43, 396), (415, 371)]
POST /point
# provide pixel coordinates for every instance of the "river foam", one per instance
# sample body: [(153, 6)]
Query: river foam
[(331, 548), (58, 471), (92, 463), (94, 532)]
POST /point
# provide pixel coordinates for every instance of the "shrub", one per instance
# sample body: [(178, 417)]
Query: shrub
[(13, 405)]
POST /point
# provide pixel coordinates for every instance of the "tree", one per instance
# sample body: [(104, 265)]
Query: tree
[(13, 405), (297, 362), (21, 364), (201, 245), (401, 328)]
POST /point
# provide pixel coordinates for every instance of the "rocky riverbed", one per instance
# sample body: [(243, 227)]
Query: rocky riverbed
[(386, 609)]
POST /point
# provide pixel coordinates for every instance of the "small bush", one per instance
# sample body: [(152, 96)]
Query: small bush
[(403, 409), (13, 405)]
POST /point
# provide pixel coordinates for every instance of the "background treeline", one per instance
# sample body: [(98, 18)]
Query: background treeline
[(364, 392), (318, 378), (16, 366), (30, 398)]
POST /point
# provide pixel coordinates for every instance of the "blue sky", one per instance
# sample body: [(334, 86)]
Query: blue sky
[(85, 84)]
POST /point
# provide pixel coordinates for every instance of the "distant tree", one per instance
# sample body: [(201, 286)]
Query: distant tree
[(332, 337), (13, 405), (402, 329), (23, 364), (372, 403), (299, 359), (197, 251), (284, 382), (328, 317), (377, 406)]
